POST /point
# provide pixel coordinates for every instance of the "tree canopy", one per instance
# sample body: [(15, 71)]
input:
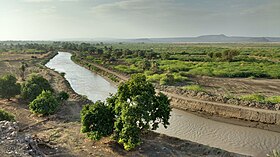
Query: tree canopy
[(44, 104), (8, 87), (34, 86), (134, 108)]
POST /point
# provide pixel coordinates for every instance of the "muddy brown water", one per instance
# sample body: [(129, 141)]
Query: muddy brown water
[(184, 125)]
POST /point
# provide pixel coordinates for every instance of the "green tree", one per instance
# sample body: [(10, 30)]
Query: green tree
[(133, 109), (137, 107), (228, 55), (44, 104), (155, 66), (22, 70), (8, 87), (145, 64), (97, 120), (34, 86), (165, 55)]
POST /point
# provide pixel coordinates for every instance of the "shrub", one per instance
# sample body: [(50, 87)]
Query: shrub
[(8, 87), (34, 86), (196, 88), (6, 116), (167, 79), (228, 55), (44, 104), (62, 96), (97, 120)]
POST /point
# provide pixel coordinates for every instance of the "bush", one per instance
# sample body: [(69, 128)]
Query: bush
[(44, 104), (97, 120), (62, 96), (6, 116), (34, 86), (167, 79), (8, 87)]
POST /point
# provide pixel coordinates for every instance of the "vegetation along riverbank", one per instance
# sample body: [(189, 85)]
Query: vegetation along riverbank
[(59, 134), (217, 97)]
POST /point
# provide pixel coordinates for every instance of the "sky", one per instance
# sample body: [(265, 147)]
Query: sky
[(71, 19)]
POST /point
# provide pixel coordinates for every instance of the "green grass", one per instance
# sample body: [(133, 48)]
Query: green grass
[(261, 98), (253, 97), (128, 69), (196, 88)]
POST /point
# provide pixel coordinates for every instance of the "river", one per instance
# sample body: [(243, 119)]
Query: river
[(184, 125)]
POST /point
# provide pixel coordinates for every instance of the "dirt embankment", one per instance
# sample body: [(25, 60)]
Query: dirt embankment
[(265, 116)]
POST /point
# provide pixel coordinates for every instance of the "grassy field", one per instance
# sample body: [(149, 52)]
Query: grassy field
[(237, 69), (251, 60)]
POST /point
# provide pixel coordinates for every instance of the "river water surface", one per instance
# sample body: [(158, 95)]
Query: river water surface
[(184, 125)]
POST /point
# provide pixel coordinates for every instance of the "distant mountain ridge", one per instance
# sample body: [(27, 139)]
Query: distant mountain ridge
[(208, 38), (200, 39)]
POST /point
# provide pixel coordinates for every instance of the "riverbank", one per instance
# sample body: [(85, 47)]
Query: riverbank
[(225, 112), (59, 134)]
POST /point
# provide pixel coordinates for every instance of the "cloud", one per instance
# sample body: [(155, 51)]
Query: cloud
[(133, 5), (39, 1), (48, 10)]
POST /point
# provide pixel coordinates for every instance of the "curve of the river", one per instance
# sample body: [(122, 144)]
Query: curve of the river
[(184, 125)]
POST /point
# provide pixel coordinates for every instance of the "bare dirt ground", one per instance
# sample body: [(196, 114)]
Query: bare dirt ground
[(59, 134), (239, 86)]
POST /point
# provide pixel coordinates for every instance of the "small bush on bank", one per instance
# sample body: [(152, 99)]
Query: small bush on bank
[(196, 88), (8, 87), (97, 120), (34, 86), (6, 116), (44, 104)]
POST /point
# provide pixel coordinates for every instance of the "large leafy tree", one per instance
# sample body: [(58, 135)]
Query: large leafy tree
[(135, 108), (8, 87), (138, 108), (34, 86)]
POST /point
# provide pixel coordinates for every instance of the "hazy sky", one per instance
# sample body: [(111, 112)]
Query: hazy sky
[(59, 19)]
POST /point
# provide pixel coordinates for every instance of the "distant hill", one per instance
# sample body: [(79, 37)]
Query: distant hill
[(208, 38), (200, 39)]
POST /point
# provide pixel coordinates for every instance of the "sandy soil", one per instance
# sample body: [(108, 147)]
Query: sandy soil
[(239, 86)]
